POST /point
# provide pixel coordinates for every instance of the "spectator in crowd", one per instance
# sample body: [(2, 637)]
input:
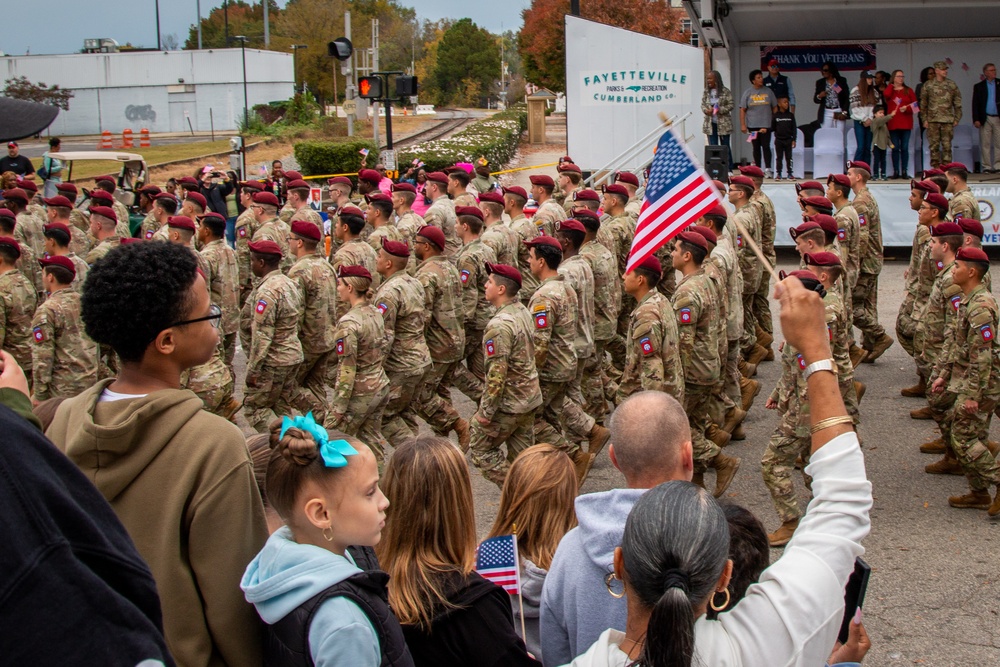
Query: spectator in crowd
[(832, 97), (674, 554), (757, 107), (51, 171), (899, 102), (717, 105), (75, 588), (749, 552), (305, 583), (537, 504), (779, 84), (880, 141), (16, 162), (986, 118), (215, 187), (451, 616), (650, 444), (786, 133), (864, 97), (193, 511)]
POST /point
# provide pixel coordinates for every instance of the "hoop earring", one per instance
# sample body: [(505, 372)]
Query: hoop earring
[(328, 538), (711, 603), (608, 578)]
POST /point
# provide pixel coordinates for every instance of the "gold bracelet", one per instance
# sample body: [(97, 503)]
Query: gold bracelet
[(831, 421)]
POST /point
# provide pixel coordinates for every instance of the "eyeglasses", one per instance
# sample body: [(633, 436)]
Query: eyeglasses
[(214, 316)]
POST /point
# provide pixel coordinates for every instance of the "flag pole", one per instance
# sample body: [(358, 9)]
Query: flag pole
[(756, 249), (520, 598)]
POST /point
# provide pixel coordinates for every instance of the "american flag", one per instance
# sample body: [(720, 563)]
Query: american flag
[(677, 194), (496, 560)]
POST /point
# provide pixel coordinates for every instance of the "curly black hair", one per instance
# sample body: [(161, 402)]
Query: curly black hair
[(135, 292)]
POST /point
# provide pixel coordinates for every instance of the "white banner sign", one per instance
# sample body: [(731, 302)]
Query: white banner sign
[(634, 86)]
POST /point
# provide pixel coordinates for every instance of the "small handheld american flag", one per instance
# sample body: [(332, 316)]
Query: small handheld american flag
[(752, 137), (496, 560), (677, 194)]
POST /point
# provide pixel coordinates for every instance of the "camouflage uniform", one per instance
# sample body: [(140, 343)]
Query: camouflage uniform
[(441, 214), (63, 359), (525, 231), (269, 334), (27, 264), (839, 329), (607, 305), (102, 249), (307, 214), (225, 293), (768, 226), (400, 300), (79, 220), (616, 235), (445, 335), (504, 242), (30, 231), (963, 205), (18, 301), (123, 228), (751, 269), (149, 225), (634, 206), (162, 234), (387, 231), (971, 371), (918, 281), (512, 393), (553, 308), (317, 284), (935, 330), (576, 270), (408, 225), (546, 217), (865, 295), (698, 334), (361, 390), (941, 108), (653, 361), (465, 199), (852, 239), (212, 382), (277, 231), (472, 259), (81, 272), (79, 243), (355, 252), (724, 257), (246, 226)]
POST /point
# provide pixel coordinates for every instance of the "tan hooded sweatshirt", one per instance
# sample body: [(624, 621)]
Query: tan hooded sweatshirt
[(181, 481)]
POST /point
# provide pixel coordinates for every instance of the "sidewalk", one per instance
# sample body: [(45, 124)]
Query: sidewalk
[(537, 154)]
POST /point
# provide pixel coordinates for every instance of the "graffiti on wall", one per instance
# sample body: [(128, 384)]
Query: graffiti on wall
[(141, 112)]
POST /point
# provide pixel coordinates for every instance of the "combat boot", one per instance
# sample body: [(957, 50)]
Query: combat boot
[(945, 466), (461, 428), (582, 462), (857, 354), (598, 437), (496, 475), (879, 348), (734, 418), (934, 447), (739, 433), (699, 479), (994, 509), (745, 369), (922, 413), (717, 435), (973, 500), (919, 390), (756, 356), (231, 407), (770, 355), (748, 390), (860, 389), (764, 339), (725, 469), (994, 447), (783, 535)]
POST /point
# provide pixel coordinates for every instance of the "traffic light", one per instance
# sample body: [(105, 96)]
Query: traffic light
[(406, 86), (340, 48), (370, 87)]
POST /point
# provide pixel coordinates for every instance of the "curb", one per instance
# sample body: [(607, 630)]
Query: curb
[(197, 158)]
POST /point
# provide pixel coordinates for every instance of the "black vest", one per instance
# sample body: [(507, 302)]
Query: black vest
[(778, 86), (286, 643)]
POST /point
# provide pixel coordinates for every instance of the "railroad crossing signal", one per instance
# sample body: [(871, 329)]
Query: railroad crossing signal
[(370, 87)]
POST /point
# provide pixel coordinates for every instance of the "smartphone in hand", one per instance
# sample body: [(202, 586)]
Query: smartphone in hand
[(854, 595)]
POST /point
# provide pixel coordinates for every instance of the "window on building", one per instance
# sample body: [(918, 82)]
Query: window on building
[(687, 27)]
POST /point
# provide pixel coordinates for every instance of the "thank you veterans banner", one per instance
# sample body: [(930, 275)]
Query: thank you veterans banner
[(809, 58)]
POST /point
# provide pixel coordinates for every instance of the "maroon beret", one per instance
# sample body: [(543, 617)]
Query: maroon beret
[(437, 177), (858, 164), (252, 185), (306, 230), (579, 213), (404, 187), (292, 175), (59, 260), (378, 195), (129, 239), (351, 210), (67, 187), (8, 242), (188, 180), (719, 185), (181, 222), (432, 234), (745, 181), (163, 196), (752, 170), (506, 271), (969, 254), (707, 233), (395, 248), (107, 178), (615, 189), (971, 226), (946, 229), (694, 238), (651, 263), (266, 198), (925, 186), (933, 172), (822, 259), (58, 200), (544, 240), (627, 177), (474, 211), (27, 184), (818, 202), (104, 212), (198, 199), (718, 211), (842, 179), (570, 224), (827, 222), (808, 185), (341, 180), (803, 228), (516, 190), (937, 200), (15, 193), (151, 190), (491, 196), (803, 275), (59, 227), (586, 194), (353, 271), (369, 175), (265, 248), (101, 195), (295, 184), (565, 158), (7, 213), (954, 166), (569, 166), (213, 215), (542, 179)]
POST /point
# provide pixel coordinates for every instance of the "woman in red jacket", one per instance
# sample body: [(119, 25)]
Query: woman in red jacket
[(900, 98)]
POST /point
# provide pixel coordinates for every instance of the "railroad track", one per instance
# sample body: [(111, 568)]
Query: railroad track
[(446, 126)]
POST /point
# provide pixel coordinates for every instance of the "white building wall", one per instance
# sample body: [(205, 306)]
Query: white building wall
[(158, 90)]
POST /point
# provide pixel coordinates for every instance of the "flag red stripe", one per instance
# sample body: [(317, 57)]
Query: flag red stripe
[(691, 200)]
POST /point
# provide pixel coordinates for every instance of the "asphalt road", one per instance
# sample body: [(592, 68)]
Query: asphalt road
[(934, 594), (36, 147)]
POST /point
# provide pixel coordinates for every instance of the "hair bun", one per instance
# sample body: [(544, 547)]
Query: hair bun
[(297, 446)]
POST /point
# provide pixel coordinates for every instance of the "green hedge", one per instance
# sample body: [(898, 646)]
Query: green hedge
[(330, 157), (496, 138)]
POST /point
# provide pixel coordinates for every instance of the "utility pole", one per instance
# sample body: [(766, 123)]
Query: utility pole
[(349, 77), (267, 25), (374, 68), (295, 66), (158, 47), (225, 19), (197, 4)]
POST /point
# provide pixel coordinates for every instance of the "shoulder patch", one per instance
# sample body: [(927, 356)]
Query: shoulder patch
[(261, 307), (739, 240), (956, 300), (646, 346), (38, 334), (841, 233), (382, 307), (490, 348), (685, 315), (861, 220), (149, 235), (465, 275), (802, 362), (986, 331), (939, 265), (340, 346), (242, 232), (538, 308), (541, 319)]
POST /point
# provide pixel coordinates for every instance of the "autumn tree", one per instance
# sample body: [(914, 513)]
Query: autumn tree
[(468, 61), (243, 18), (542, 40), (19, 88)]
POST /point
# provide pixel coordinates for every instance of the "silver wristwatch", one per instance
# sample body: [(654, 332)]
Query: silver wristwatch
[(821, 365)]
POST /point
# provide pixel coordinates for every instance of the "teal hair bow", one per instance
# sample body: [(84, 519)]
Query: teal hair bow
[(333, 452)]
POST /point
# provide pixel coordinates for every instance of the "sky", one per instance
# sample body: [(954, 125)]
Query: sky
[(135, 21)]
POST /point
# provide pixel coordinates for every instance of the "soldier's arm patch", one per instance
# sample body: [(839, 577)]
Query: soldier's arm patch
[(260, 307), (739, 240), (646, 346), (38, 334), (802, 362), (684, 315), (490, 347), (340, 346), (861, 220), (541, 319), (149, 235), (382, 307), (465, 273), (841, 233), (242, 231), (956, 301), (986, 331)]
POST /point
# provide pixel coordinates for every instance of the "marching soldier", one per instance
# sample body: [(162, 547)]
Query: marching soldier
[(107, 184), (514, 199), (103, 198), (380, 216), (741, 189), (586, 198), (18, 300), (473, 259), (407, 222), (768, 227), (549, 211), (353, 250), (57, 240), (164, 207), (269, 225), (147, 196), (506, 412), (28, 231), (76, 216), (458, 187), (246, 226), (852, 239), (223, 284), (963, 203), (269, 333), (921, 236), (102, 228), (502, 239), (616, 234), (441, 212), (630, 182), (569, 180), (298, 202)]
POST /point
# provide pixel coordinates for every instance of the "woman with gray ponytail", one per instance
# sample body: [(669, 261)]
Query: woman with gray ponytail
[(674, 555)]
